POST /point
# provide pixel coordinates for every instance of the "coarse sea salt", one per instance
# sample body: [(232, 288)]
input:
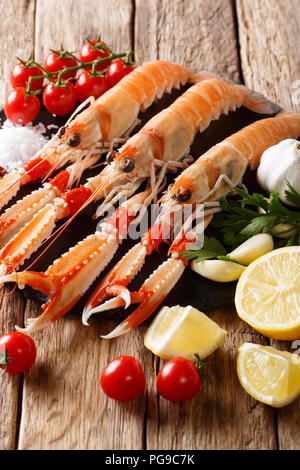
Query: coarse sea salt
[(19, 143)]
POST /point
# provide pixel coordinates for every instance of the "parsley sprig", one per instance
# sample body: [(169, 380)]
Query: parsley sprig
[(212, 248), (237, 222)]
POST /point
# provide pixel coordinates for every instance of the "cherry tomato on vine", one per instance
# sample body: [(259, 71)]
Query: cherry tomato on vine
[(21, 73), (117, 70), (59, 100), (88, 53), (17, 352), (55, 63), (87, 85), (123, 379), (21, 110), (178, 380)]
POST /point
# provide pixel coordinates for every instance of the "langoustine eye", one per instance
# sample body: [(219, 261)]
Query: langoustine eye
[(111, 156), (183, 194), (127, 164), (74, 140)]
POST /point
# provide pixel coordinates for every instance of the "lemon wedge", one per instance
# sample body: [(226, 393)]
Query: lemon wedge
[(183, 331), (268, 294), (269, 375)]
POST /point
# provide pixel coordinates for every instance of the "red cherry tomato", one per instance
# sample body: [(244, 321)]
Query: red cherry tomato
[(87, 53), (20, 352), (54, 63), (86, 86), (59, 100), (20, 75), (116, 71), (178, 380), (123, 379), (21, 110)]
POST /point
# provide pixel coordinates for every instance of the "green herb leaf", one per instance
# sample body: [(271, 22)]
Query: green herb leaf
[(212, 248), (292, 195), (260, 224)]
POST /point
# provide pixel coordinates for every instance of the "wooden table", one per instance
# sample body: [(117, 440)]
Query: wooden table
[(59, 404)]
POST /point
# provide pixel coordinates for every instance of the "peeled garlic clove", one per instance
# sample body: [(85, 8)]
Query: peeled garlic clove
[(283, 231), (218, 270), (253, 248)]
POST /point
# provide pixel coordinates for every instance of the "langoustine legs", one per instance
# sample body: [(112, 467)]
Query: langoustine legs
[(208, 179)]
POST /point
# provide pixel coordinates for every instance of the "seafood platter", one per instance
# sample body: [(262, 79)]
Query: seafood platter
[(166, 194)]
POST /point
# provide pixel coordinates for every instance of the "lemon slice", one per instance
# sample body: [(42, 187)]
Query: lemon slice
[(268, 294), (183, 331), (268, 375)]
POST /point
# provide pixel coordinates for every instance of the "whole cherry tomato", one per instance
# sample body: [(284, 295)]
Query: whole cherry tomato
[(178, 380), (17, 352), (19, 109), (88, 53), (59, 100), (87, 85), (117, 70), (123, 379), (55, 63), (21, 73)]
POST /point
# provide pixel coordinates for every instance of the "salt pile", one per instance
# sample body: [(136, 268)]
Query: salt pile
[(19, 143)]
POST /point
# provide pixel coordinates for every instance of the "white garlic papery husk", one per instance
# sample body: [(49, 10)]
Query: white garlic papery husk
[(279, 163)]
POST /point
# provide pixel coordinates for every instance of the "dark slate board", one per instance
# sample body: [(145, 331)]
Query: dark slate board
[(192, 289)]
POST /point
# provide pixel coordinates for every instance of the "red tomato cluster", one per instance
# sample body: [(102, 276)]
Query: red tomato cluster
[(60, 99), (177, 381)]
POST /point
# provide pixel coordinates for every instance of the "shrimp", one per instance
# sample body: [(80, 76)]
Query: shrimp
[(106, 119), (206, 181), (157, 147)]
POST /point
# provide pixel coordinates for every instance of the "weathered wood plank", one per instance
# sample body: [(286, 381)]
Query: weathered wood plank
[(11, 308), (17, 15), (70, 23), (268, 35), (63, 405), (201, 34), (17, 30), (197, 33)]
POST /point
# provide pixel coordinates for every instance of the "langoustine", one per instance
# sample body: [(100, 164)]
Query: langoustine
[(208, 179), (160, 144), (106, 119)]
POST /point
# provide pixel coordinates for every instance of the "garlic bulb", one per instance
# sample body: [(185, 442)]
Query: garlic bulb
[(279, 163)]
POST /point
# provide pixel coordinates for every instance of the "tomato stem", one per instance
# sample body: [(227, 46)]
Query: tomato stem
[(80, 65), (199, 366), (4, 360)]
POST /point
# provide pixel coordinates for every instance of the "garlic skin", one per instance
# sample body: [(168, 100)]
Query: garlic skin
[(218, 270), (283, 231), (251, 249), (279, 163)]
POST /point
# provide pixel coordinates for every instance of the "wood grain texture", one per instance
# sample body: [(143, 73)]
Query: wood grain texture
[(268, 35), (70, 23), (63, 404), (11, 308), (16, 15), (17, 30), (201, 34), (196, 33)]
